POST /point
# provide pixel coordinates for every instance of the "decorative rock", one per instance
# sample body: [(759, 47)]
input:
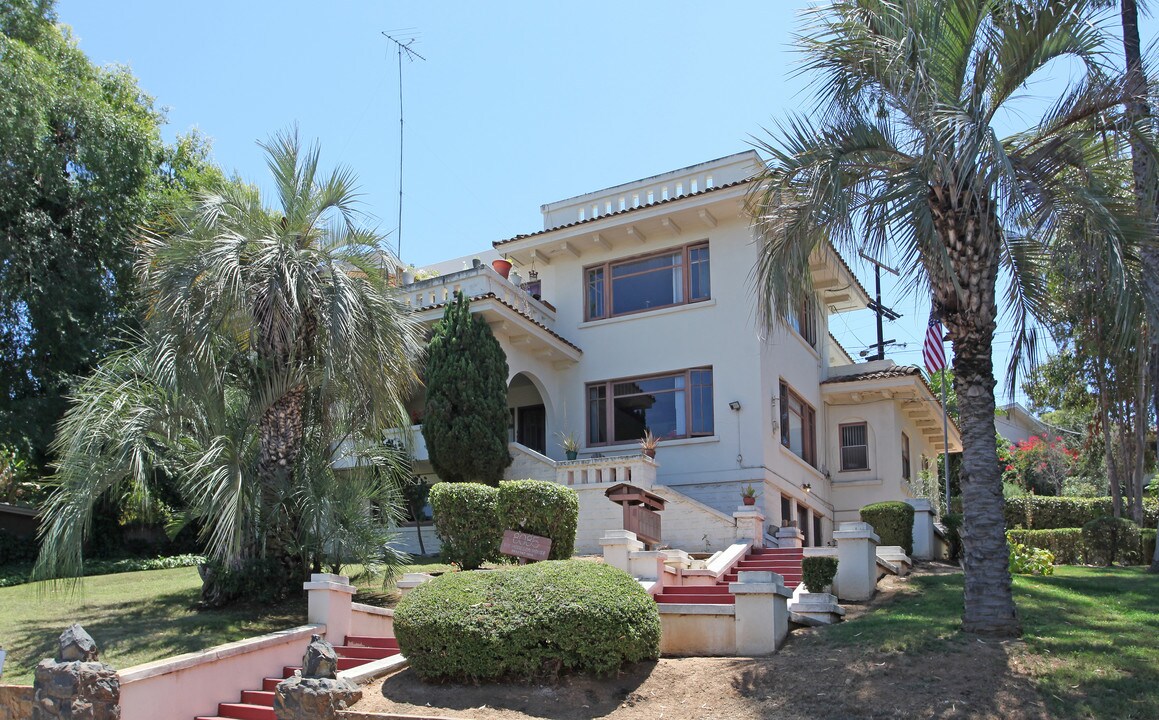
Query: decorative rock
[(302, 698), (76, 644), (16, 701), (320, 660), (76, 690), (816, 609)]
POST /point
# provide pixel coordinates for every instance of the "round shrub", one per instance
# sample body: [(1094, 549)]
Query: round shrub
[(893, 522), (524, 622), (541, 508), (1030, 561), (1108, 538), (818, 573), (467, 522)]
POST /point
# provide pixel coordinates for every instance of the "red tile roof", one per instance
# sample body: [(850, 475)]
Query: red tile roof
[(896, 371), (496, 298)]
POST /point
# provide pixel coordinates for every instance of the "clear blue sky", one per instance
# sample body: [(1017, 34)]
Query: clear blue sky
[(517, 103)]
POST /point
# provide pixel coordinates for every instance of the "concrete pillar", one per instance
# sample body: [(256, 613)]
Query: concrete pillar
[(856, 561), (328, 603), (750, 525), (647, 565), (790, 537), (762, 612), (618, 545), (923, 529)]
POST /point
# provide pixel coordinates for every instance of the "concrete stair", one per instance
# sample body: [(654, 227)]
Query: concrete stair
[(786, 562), (259, 704)]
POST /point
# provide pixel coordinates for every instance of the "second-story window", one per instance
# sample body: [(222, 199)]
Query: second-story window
[(803, 318), (798, 426), (854, 446), (672, 277), (676, 405)]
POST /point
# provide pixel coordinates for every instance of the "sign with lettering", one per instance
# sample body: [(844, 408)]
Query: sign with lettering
[(525, 545)]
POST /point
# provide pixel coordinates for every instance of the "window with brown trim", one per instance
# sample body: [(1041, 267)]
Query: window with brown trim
[(803, 319), (675, 405), (665, 279), (854, 446), (798, 426), (905, 468)]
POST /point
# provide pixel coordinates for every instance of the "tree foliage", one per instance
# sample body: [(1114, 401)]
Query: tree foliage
[(466, 416), (78, 148)]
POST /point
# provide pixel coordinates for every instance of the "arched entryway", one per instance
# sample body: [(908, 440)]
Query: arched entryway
[(528, 423)]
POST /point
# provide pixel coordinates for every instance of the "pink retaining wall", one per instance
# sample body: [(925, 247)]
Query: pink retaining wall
[(367, 620), (185, 686)]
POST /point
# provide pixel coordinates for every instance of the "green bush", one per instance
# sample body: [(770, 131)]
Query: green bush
[(1038, 512), (20, 573), (541, 508), (1030, 560), (15, 549), (818, 573), (1110, 538), (1065, 543), (953, 523), (467, 521), (525, 622), (893, 522), (1147, 545)]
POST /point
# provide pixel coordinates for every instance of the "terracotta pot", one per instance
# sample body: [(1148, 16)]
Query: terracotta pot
[(749, 500), (503, 267), (650, 452)]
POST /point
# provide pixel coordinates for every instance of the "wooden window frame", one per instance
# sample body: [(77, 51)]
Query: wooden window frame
[(906, 466), (608, 300), (610, 404), (804, 321), (808, 425), (841, 446)]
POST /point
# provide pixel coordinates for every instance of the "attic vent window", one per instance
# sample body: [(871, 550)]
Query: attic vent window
[(582, 216), (664, 193), (708, 182), (692, 186), (608, 208), (679, 189), (636, 200), (651, 197), (596, 210), (623, 204)]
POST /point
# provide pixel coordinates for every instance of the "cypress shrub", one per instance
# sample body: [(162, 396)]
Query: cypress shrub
[(526, 622), (818, 573), (1040, 512), (541, 508), (1109, 538), (465, 419), (1066, 543), (893, 522), (467, 522)]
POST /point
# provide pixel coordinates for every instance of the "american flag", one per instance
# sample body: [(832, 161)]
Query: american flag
[(933, 352)]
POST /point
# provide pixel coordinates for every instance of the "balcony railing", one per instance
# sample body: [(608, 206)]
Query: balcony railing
[(638, 470), (474, 282)]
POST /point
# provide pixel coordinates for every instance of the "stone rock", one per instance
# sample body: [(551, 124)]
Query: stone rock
[(320, 660), (75, 690), (76, 644), (16, 701), (302, 698)]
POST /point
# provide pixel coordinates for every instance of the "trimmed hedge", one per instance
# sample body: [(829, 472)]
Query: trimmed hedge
[(818, 573), (541, 508), (467, 522), (1066, 543), (893, 522), (1040, 512), (1110, 538), (526, 622), (1147, 545)]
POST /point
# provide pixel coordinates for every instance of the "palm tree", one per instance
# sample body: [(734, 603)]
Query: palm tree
[(906, 153), (271, 338)]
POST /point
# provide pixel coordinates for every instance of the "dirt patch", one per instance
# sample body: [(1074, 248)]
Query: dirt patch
[(808, 679)]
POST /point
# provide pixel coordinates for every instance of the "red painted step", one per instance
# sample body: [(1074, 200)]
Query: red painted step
[(786, 562), (259, 704)]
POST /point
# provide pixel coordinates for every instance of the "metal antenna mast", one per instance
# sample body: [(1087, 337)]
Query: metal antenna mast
[(879, 309), (404, 47)]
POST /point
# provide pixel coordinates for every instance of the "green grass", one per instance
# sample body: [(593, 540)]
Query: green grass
[(134, 617), (1091, 635)]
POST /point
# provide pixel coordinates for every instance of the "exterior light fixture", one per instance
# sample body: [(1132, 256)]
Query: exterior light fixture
[(807, 487), (735, 405)]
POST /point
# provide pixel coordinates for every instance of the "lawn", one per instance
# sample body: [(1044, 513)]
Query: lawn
[(139, 617)]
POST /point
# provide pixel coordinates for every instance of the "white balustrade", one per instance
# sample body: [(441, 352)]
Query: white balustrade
[(638, 470)]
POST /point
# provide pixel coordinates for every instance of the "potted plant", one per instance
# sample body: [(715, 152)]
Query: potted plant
[(648, 443), (502, 266), (569, 444), (408, 275), (748, 495)]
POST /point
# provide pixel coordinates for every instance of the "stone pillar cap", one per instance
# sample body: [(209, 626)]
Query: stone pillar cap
[(618, 537), (920, 504), (327, 581), (748, 512), (855, 531)]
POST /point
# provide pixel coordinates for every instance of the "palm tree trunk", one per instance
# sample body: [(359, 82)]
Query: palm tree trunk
[(967, 225), (280, 434)]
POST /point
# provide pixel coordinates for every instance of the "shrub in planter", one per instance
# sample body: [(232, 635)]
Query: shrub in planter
[(1110, 538), (524, 622), (467, 521), (1065, 543), (893, 522), (541, 508), (818, 573), (1030, 561)]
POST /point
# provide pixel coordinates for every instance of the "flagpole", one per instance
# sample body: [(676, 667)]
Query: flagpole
[(946, 443)]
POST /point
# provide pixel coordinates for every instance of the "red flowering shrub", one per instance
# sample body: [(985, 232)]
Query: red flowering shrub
[(1040, 464)]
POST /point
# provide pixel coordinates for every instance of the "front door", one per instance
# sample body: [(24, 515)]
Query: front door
[(531, 427), (803, 522)]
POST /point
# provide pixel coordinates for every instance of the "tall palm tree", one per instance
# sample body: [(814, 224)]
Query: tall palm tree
[(271, 338), (906, 153)]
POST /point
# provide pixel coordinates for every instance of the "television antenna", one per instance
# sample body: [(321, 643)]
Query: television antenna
[(403, 45), (878, 309)]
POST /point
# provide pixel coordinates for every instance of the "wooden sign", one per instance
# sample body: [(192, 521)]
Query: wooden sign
[(525, 545)]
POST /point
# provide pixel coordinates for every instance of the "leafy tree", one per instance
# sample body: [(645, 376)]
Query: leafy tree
[(905, 152), (465, 421), (271, 338), (78, 145)]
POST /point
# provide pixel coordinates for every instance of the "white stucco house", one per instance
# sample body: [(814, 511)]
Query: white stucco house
[(633, 308)]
